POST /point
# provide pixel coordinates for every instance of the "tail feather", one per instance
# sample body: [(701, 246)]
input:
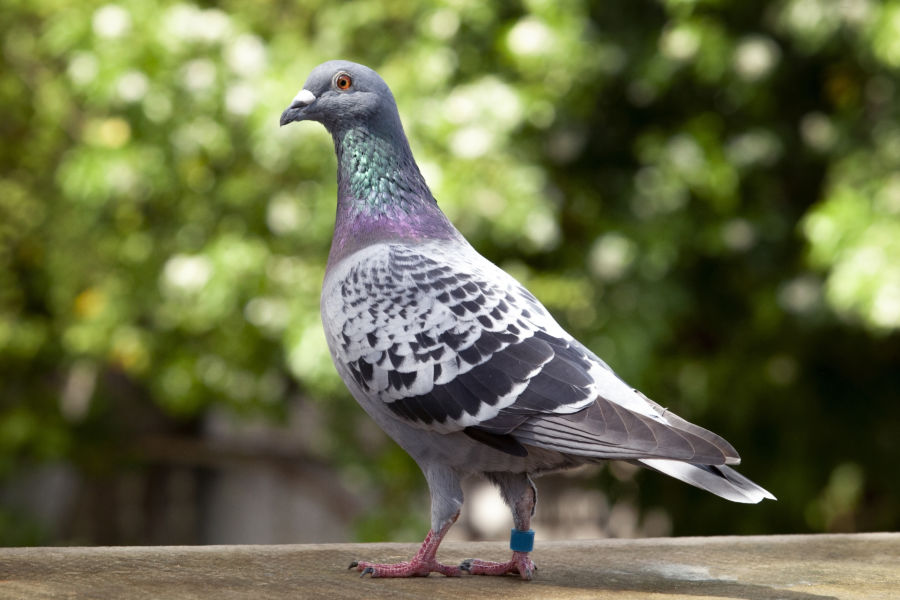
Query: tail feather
[(720, 480)]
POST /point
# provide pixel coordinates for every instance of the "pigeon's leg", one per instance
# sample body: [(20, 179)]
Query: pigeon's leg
[(520, 494), (446, 500)]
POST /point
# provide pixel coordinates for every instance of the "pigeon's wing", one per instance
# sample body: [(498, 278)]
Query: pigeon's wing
[(448, 342), (437, 340)]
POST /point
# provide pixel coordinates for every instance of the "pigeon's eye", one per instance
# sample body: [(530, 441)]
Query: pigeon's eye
[(342, 81)]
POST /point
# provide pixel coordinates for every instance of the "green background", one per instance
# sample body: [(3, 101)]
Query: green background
[(706, 193)]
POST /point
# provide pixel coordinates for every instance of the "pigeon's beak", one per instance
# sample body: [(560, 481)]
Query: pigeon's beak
[(294, 112)]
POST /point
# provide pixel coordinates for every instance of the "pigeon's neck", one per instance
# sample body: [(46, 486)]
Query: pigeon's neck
[(382, 196)]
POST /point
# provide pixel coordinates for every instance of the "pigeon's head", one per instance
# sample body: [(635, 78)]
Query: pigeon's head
[(339, 94)]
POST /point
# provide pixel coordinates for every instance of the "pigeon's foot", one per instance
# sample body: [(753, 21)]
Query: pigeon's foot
[(423, 563), (520, 564), (417, 567)]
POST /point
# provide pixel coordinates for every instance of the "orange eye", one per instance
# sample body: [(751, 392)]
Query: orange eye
[(342, 81)]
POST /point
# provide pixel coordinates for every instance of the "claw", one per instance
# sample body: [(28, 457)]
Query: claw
[(367, 571), (353, 565)]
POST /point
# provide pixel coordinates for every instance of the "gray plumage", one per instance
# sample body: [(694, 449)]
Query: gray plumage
[(450, 355)]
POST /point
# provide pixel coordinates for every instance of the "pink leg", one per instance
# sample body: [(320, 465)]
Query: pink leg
[(520, 494), (421, 565)]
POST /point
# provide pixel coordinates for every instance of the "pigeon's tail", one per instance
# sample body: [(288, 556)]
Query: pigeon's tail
[(720, 480)]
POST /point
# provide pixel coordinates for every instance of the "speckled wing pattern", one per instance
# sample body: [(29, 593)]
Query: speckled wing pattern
[(449, 342)]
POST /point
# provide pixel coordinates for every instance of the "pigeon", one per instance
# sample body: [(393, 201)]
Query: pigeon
[(453, 358)]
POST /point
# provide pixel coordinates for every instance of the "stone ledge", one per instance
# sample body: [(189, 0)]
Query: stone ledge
[(787, 567)]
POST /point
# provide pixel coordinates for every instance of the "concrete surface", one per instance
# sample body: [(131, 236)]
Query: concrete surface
[(772, 567)]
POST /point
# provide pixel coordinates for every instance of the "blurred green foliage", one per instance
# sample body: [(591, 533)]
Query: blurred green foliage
[(707, 193)]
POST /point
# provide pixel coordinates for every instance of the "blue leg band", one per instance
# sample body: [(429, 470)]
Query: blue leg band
[(521, 541)]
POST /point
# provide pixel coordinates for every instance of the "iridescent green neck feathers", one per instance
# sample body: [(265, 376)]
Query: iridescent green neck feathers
[(382, 195)]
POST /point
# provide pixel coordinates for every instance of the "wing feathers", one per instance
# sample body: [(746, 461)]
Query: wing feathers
[(449, 342), (731, 455), (605, 430)]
